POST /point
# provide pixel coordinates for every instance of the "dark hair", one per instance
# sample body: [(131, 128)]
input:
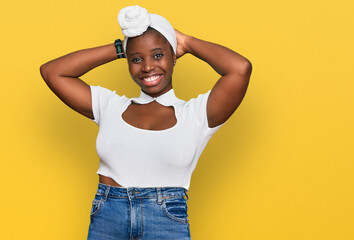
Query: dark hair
[(157, 34)]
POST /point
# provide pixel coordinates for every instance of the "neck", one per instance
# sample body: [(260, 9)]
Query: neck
[(154, 95)]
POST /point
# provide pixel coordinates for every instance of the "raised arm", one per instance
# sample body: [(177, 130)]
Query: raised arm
[(62, 76), (235, 71)]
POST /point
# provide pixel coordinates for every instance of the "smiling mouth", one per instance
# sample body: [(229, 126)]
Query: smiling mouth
[(152, 80)]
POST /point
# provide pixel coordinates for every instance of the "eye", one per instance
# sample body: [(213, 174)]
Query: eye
[(158, 56), (136, 60)]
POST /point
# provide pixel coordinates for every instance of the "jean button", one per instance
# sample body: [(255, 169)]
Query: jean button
[(132, 192)]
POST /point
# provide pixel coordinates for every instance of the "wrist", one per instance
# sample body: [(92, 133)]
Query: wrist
[(187, 44), (119, 48)]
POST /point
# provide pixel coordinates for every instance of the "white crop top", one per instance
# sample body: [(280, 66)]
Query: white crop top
[(136, 157)]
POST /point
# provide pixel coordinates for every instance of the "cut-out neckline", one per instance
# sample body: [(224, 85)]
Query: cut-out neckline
[(149, 130)]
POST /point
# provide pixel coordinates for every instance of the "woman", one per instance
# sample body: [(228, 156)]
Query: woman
[(148, 146)]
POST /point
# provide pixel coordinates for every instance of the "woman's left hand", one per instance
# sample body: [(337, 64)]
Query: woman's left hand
[(181, 44)]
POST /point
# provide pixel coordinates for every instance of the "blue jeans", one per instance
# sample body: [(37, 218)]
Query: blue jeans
[(139, 213)]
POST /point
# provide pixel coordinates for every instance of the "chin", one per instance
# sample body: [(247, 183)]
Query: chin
[(156, 90)]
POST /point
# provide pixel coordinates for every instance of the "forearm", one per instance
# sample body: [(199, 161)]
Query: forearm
[(223, 60), (77, 63)]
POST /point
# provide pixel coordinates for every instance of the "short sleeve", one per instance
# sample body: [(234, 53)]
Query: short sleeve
[(199, 106), (100, 98)]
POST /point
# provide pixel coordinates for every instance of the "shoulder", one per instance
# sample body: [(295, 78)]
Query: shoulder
[(196, 106), (106, 95), (198, 101)]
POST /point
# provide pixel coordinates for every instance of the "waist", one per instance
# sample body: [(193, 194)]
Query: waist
[(149, 192)]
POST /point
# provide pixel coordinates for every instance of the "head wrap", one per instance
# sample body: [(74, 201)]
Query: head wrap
[(135, 20)]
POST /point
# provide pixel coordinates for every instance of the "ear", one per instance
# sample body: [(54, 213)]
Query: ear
[(174, 59)]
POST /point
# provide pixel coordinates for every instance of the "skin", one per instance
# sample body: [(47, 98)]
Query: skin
[(150, 55)]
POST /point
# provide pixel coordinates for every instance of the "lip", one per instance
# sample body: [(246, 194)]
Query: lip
[(151, 80)]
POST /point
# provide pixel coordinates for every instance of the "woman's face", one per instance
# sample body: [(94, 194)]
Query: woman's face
[(151, 62)]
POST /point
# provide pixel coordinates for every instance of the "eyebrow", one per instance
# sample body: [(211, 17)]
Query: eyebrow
[(150, 51)]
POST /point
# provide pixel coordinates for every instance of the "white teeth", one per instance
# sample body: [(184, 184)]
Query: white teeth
[(152, 78)]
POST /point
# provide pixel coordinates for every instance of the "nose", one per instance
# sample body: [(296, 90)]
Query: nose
[(148, 66)]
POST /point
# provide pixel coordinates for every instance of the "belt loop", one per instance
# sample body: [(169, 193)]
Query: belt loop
[(106, 193), (159, 195), (185, 191)]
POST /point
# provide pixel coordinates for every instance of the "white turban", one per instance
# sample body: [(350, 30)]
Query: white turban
[(135, 20)]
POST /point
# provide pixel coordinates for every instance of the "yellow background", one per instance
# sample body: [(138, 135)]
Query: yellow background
[(280, 168)]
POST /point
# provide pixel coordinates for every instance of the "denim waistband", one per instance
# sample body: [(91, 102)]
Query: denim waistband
[(136, 192)]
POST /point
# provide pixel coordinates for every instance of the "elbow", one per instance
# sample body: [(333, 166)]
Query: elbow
[(244, 72), (241, 68), (43, 71), (246, 68), (248, 65)]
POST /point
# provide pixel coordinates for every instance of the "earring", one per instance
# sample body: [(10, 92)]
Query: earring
[(174, 63)]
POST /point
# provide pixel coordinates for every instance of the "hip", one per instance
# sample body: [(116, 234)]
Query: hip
[(139, 213)]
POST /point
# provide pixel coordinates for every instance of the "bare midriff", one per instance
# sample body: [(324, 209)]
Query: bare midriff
[(108, 181)]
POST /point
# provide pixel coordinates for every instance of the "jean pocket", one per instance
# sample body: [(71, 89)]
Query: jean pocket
[(176, 208), (96, 204)]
